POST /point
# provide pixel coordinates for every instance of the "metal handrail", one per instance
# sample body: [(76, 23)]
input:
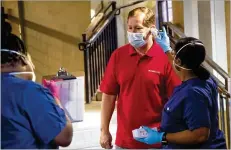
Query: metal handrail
[(216, 67), (99, 11), (131, 4), (213, 64), (176, 30), (91, 34), (98, 19), (104, 25)]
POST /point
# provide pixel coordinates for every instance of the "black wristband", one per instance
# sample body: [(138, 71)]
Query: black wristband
[(164, 139)]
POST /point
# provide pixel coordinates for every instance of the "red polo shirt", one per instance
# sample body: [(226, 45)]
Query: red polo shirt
[(143, 84)]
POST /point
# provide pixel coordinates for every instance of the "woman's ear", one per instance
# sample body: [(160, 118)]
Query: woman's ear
[(176, 64), (178, 61), (153, 26)]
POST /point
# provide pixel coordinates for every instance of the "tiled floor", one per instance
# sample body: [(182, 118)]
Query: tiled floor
[(87, 133)]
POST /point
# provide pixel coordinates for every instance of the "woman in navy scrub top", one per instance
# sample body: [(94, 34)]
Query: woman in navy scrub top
[(31, 117), (190, 117)]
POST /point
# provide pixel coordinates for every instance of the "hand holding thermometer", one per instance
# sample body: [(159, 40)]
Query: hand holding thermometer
[(141, 133), (149, 135), (163, 40)]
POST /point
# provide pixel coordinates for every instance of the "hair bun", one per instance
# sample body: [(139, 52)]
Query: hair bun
[(6, 28)]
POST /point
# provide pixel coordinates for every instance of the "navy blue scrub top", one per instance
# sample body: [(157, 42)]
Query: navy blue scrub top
[(193, 105), (30, 119)]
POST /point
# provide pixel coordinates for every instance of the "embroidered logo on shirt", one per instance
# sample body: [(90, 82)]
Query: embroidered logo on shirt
[(154, 71)]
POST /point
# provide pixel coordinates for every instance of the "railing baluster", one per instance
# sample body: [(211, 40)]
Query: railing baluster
[(96, 71), (227, 121), (103, 50), (94, 48), (219, 110), (222, 113), (100, 59), (93, 71), (113, 37), (105, 34), (114, 22), (86, 76), (111, 40), (90, 72), (86, 70), (98, 68), (108, 43), (115, 34), (98, 64), (105, 47)]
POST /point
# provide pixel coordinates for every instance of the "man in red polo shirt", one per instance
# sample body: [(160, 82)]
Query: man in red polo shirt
[(140, 74)]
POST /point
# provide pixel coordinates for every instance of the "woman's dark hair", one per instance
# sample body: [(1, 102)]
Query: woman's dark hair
[(11, 42), (192, 56)]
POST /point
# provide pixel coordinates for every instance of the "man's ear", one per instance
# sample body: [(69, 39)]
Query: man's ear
[(153, 26)]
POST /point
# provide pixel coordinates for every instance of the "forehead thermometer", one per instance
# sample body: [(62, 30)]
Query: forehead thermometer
[(140, 133)]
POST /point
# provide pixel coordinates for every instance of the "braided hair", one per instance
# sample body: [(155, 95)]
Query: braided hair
[(11, 42), (192, 56)]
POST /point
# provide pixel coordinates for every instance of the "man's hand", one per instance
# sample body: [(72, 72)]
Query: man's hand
[(106, 140), (107, 108)]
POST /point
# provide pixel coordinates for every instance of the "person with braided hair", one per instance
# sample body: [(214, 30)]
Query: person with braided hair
[(31, 115)]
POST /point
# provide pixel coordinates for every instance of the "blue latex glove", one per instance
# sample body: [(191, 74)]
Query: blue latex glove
[(163, 40), (153, 137)]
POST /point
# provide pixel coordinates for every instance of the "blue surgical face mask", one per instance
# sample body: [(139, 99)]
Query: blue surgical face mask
[(136, 39)]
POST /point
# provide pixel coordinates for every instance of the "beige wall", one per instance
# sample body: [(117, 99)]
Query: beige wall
[(205, 27), (227, 19), (178, 13), (12, 8), (53, 30), (95, 7)]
